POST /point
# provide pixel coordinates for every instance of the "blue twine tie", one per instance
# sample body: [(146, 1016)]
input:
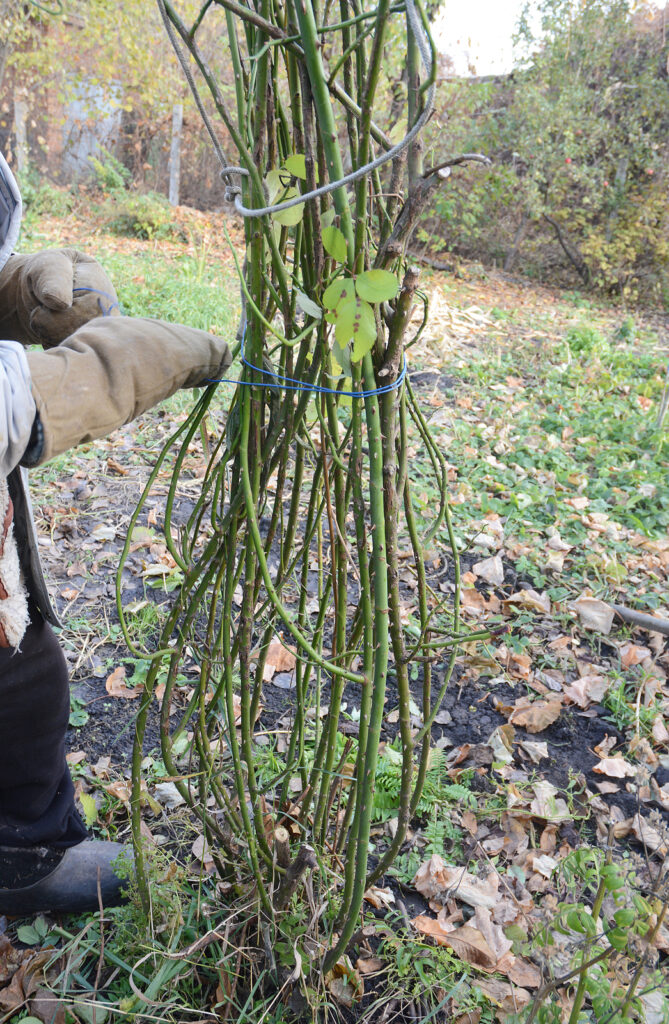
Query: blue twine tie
[(292, 384), (114, 303)]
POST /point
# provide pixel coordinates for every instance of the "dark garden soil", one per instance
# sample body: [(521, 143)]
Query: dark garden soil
[(83, 521)]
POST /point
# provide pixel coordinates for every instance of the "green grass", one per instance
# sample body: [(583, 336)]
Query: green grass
[(545, 431), (543, 426), (152, 281)]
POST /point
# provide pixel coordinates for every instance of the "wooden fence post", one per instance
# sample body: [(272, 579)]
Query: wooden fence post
[(175, 153), (20, 116)]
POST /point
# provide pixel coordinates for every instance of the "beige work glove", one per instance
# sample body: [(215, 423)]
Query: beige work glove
[(111, 371), (46, 297)]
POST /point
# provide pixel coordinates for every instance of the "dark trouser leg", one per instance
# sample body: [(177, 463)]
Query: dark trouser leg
[(36, 791)]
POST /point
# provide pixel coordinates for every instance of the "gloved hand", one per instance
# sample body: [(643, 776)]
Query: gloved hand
[(44, 298), (111, 371)]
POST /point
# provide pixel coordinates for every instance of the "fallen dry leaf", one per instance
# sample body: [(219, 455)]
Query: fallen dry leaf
[(10, 958), (555, 561), (530, 600), (492, 933), (535, 751), (46, 1006), (632, 654), (474, 603), (344, 983), (555, 542), (103, 532), (615, 767), (75, 756), (594, 614), (608, 787), (201, 851), (504, 995), (469, 1017), (120, 790), (654, 1006), (466, 942), (649, 836), (547, 804), (587, 690), (26, 979), (380, 898), (500, 742), (491, 570), (525, 974), (659, 731), (544, 864), (469, 822), (537, 716), (435, 878), (116, 686), (660, 794), (369, 965), (604, 748), (520, 665), (279, 659)]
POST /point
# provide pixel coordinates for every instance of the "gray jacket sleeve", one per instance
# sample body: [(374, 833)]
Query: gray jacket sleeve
[(17, 405), (112, 370)]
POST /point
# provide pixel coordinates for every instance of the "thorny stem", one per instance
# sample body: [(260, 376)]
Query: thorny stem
[(304, 500), (579, 995)]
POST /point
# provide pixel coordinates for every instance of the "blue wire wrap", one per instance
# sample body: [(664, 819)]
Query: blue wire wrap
[(292, 384), (287, 383), (115, 304)]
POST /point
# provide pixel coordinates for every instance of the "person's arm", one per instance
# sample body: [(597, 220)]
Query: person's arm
[(109, 372), (46, 297), (17, 406)]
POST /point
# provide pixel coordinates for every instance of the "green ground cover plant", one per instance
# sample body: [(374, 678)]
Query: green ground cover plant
[(517, 377)]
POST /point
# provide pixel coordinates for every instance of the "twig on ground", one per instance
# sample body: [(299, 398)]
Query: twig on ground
[(648, 622)]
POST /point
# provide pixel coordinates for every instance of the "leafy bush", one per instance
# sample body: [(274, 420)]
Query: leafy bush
[(110, 174), (124, 212), (41, 198), (578, 137), (140, 215), (584, 341)]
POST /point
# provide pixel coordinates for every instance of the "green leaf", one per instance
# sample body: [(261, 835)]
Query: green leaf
[(342, 288), (574, 921), (343, 317), (618, 938), (28, 935), (334, 244), (289, 218), (93, 1013), (278, 192), (588, 924), (308, 305), (275, 185), (342, 357), (180, 744), (356, 323), (89, 808), (297, 166), (377, 285)]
